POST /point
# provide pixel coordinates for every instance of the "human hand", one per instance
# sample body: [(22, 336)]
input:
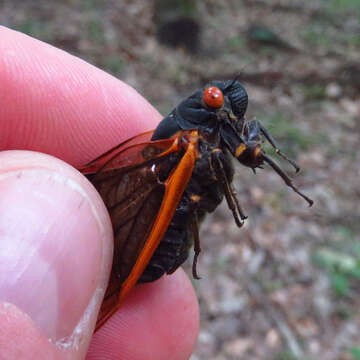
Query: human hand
[(55, 233)]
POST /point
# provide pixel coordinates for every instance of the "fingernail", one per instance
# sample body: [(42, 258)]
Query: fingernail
[(50, 248)]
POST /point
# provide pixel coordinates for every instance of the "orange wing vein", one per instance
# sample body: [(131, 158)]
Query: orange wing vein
[(174, 188)]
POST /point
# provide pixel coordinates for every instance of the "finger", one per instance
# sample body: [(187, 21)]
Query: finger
[(55, 252), (159, 318), (47, 98), (20, 338), (56, 103)]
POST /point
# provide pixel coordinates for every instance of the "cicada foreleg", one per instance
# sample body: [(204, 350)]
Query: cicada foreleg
[(253, 130), (230, 194)]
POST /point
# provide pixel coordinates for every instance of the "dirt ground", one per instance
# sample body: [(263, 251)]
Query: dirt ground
[(285, 286)]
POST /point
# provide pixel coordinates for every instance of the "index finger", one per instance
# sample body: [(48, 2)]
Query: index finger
[(56, 103)]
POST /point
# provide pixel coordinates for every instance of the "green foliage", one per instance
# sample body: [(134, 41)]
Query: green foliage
[(317, 35), (189, 7), (266, 41), (291, 138), (340, 284), (235, 43), (342, 266), (289, 355), (353, 40), (268, 51), (338, 6), (321, 34), (91, 4), (263, 34), (222, 263), (285, 355), (272, 285), (314, 92), (355, 352), (35, 28), (346, 234), (176, 8), (114, 64), (95, 30)]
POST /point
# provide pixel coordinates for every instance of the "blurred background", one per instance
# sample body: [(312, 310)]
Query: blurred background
[(287, 285)]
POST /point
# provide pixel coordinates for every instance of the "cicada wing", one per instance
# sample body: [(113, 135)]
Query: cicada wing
[(97, 163), (131, 181), (139, 195), (175, 185), (141, 199), (134, 151)]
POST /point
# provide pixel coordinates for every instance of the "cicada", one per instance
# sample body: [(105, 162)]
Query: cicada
[(158, 186)]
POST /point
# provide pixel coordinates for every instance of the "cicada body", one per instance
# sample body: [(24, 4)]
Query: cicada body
[(159, 185)]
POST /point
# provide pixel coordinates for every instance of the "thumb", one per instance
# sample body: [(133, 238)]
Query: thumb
[(55, 257)]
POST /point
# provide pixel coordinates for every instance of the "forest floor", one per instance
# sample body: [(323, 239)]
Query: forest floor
[(286, 286)]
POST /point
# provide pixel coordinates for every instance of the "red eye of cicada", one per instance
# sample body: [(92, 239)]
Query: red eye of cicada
[(213, 97)]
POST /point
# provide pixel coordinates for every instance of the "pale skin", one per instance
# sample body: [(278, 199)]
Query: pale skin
[(55, 233)]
